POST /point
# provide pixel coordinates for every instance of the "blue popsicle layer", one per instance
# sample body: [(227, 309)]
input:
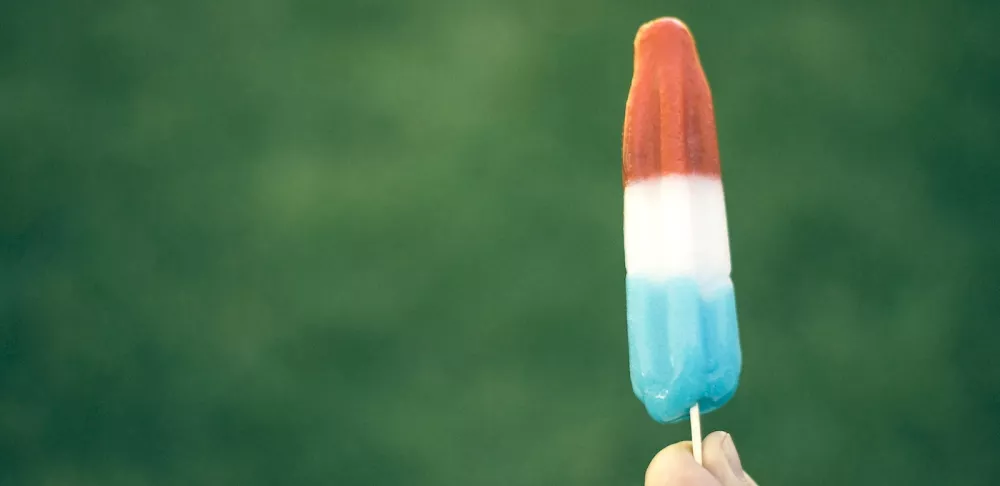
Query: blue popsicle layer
[(684, 345)]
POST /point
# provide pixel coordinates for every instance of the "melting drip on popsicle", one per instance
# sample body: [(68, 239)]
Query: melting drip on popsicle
[(684, 345)]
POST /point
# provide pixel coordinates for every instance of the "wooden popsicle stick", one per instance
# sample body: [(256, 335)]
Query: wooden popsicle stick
[(696, 433)]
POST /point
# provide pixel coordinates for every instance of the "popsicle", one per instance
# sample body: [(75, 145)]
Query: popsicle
[(684, 348)]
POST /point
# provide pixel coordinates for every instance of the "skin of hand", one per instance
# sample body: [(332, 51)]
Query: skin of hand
[(675, 465)]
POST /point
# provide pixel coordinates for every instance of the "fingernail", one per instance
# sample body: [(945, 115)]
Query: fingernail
[(732, 457)]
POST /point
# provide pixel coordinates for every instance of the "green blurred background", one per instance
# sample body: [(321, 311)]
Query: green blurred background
[(263, 242)]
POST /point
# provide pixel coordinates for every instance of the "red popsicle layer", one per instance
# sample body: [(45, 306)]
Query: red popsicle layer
[(669, 119)]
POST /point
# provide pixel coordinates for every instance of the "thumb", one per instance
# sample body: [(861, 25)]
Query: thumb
[(675, 466), (722, 460)]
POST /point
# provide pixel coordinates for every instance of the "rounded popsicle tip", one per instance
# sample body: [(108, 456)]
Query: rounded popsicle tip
[(664, 37), (664, 29)]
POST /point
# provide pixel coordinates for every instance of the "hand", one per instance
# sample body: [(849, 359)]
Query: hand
[(675, 465)]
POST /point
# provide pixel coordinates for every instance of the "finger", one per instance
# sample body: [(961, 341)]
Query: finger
[(722, 460), (675, 466)]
